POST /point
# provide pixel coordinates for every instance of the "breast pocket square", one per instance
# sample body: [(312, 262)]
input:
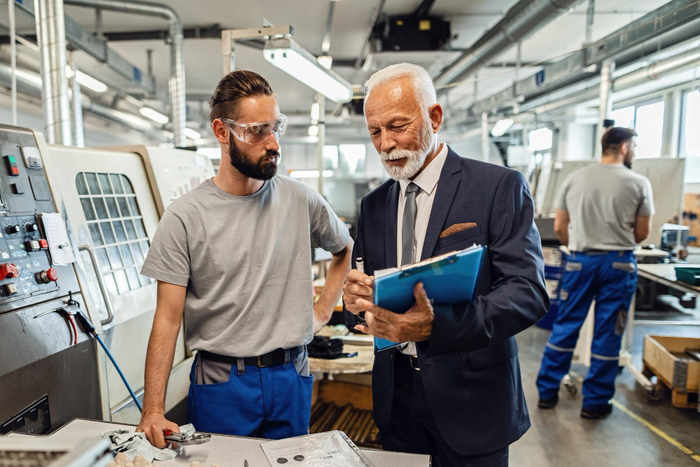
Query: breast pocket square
[(456, 228)]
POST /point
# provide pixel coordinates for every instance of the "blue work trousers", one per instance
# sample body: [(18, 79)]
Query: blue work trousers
[(609, 278), (270, 402)]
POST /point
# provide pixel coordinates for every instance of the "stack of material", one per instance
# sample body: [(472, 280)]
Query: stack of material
[(355, 423)]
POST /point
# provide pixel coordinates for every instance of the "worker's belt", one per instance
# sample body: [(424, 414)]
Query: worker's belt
[(276, 357), (403, 359)]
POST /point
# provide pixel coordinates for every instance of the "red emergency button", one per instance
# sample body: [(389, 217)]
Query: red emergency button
[(44, 277), (15, 171), (8, 271), (52, 275), (43, 244)]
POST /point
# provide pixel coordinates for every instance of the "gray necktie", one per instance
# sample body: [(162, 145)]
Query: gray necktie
[(409, 224)]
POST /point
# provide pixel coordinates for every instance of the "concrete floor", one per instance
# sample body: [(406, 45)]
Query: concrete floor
[(560, 437)]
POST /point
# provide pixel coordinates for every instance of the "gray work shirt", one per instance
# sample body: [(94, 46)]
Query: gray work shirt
[(246, 263), (603, 202)]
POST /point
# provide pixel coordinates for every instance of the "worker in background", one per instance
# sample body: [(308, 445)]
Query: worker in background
[(234, 255), (454, 391), (603, 212)]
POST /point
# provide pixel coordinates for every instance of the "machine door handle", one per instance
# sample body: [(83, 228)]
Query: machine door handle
[(100, 282)]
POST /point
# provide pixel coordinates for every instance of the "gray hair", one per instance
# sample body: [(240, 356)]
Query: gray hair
[(419, 77)]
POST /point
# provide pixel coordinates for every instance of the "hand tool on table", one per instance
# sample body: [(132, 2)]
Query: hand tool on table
[(186, 439)]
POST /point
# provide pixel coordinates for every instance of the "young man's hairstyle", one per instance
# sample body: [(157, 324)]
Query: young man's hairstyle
[(234, 87), (615, 137)]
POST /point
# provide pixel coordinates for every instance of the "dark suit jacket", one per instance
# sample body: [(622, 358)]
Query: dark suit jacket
[(469, 366)]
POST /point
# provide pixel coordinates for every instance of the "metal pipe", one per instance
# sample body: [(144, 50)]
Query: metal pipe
[(77, 105), (606, 102), (51, 36), (368, 33), (13, 53), (579, 94), (522, 20), (99, 32), (321, 137), (29, 83), (326, 44), (590, 20), (485, 140), (176, 82)]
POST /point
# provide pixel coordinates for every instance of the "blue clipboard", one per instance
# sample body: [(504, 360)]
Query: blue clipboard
[(447, 279)]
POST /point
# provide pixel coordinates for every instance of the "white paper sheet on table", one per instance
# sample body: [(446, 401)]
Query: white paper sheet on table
[(330, 449), (57, 237)]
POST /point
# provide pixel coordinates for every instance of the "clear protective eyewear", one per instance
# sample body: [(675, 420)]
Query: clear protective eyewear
[(257, 133)]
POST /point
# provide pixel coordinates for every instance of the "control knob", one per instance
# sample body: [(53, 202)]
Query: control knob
[(31, 227), (13, 229)]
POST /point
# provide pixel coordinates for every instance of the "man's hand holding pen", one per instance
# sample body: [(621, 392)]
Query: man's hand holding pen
[(415, 325)]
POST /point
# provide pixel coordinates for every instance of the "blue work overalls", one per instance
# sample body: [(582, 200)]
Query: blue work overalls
[(609, 278), (271, 402)]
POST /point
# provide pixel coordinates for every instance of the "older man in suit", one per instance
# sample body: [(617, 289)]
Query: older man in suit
[(454, 391)]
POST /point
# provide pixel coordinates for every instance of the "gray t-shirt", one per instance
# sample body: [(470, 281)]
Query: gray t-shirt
[(603, 202), (246, 263)]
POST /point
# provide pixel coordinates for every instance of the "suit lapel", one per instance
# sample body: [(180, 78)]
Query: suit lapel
[(392, 206), (446, 191)]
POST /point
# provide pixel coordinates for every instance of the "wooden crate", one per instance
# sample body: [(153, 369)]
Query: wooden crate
[(681, 377)]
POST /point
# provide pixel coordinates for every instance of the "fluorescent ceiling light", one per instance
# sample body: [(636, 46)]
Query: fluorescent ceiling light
[(87, 81), (326, 61), (291, 58), (309, 173), (313, 130), (501, 127), (193, 135), (154, 115), (315, 112)]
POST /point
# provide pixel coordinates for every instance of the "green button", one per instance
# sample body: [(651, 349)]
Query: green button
[(12, 159)]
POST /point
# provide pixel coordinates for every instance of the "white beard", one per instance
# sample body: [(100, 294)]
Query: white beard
[(414, 159)]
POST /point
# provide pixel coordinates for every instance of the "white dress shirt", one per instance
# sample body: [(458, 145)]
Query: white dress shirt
[(427, 181)]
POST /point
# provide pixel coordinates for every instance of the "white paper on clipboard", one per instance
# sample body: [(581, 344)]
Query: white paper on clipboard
[(330, 449), (57, 237)]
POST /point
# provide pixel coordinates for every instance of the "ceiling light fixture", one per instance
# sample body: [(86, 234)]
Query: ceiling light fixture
[(313, 130), (193, 135), (326, 61), (501, 127), (154, 115), (87, 81), (291, 58)]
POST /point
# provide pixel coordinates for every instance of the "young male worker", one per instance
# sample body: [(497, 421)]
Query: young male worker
[(603, 212), (235, 256)]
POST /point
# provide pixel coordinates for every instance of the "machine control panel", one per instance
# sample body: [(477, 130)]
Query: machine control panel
[(27, 273)]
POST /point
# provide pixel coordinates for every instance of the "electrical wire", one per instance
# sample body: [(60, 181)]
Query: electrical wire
[(126, 383), (89, 328)]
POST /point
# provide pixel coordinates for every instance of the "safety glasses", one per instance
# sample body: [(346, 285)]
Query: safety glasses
[(257, 133)]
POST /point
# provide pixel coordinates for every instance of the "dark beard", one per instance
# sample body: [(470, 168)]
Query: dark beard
[(261, 170), (628, 164)]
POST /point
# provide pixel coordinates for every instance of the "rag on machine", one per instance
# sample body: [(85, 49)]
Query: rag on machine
[(135, 444)]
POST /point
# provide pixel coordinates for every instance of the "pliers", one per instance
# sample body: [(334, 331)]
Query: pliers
[(185, 439)]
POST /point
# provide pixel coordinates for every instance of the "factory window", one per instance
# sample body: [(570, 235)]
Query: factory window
[(116, 229), (648, 121), (649, 124), (690, 137)]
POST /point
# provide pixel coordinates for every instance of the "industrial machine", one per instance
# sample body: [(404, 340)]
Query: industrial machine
[(34, 451), (114, 199), (48, 366)]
